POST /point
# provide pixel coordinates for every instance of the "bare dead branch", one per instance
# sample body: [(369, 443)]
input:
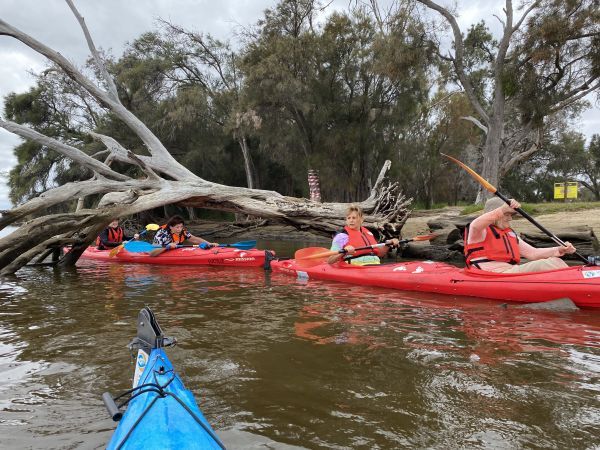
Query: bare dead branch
[(71, 152), (154, 145), (112, 89), (479, 125)]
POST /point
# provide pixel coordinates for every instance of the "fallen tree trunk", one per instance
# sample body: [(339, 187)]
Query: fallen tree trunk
[(80, 228), (582, 237)]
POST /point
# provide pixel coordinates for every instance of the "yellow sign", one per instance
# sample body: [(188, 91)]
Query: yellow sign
[(572, 188)]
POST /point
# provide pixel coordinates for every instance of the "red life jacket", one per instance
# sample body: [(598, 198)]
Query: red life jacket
[(360, 238), (114, 235), (499, 245), (177, 238)]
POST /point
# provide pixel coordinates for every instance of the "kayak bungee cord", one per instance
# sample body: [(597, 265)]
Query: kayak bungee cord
[(159, 389), (170, 424)]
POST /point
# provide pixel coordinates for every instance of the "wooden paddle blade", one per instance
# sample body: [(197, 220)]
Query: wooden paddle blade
[(308, 263), (115, 251), (314, 253), (424, 237), (474, 174)]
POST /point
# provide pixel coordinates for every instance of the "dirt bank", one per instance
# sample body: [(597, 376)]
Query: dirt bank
[(417, 222)]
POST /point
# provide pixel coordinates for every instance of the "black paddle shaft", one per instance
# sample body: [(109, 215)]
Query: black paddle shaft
[(541, 227), (374, 246)]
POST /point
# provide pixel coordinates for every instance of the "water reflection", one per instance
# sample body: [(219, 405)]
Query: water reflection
[(275, 363), (446, 322)]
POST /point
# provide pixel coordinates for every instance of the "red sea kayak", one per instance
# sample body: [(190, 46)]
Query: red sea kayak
[(185, 256), (581, 283)]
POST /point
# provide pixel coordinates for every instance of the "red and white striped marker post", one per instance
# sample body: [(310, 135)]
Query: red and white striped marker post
[(314, 185)]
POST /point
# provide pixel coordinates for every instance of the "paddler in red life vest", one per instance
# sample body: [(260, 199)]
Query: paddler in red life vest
[(492, 245), (112, 236), (174, 233), (353, 236)]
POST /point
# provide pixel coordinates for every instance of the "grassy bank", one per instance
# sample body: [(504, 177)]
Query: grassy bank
[(542, 208)]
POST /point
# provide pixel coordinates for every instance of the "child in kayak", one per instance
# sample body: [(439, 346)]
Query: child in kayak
[(492, 245), (174, 233), (112, 236), (354, 235)]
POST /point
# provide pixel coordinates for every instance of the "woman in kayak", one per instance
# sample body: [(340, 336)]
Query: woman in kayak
[(173, 234), (112, 236), (492, 245), (354, 235)]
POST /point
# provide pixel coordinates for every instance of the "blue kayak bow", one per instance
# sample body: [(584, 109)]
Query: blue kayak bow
[(161, 412)]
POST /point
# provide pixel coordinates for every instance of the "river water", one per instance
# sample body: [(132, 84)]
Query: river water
[(276, 362)]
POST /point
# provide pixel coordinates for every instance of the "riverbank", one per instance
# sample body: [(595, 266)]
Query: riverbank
[(415, 225), (417, 222)]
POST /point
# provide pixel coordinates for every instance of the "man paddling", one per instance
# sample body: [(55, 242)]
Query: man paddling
[(174, 233), (492, 245), (353, 236)]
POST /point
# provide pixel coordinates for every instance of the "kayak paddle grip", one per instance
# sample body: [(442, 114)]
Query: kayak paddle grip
[(111, 407)]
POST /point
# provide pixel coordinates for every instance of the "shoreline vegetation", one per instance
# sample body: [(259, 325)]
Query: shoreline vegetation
[(556, 215), (578, 222)]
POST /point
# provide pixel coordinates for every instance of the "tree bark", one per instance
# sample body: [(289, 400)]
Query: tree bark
[(247, 161)]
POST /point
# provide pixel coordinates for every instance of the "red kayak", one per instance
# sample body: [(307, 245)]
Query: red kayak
[(185, 256), (581, 284)]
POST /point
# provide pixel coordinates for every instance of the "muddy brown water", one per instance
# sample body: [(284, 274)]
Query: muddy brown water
[(276, 362)]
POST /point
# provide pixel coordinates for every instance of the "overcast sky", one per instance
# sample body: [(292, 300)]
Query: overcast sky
[(113, 23)]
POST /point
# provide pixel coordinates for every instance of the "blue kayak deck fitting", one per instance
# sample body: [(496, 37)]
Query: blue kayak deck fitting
[(162, 413)]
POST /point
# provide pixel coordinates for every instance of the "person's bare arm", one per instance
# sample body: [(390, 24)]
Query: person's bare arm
[(477, 229), (533, 254), (198, 240)]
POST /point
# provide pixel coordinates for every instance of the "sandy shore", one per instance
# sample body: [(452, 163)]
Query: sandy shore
[(417, 223)]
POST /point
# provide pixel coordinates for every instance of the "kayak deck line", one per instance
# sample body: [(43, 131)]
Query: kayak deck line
[(161, 413), (162, 393)]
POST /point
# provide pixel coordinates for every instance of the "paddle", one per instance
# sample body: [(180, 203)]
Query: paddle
[(494, 191), (155, 250), (313, 256), (115, 251), (242, 245)]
